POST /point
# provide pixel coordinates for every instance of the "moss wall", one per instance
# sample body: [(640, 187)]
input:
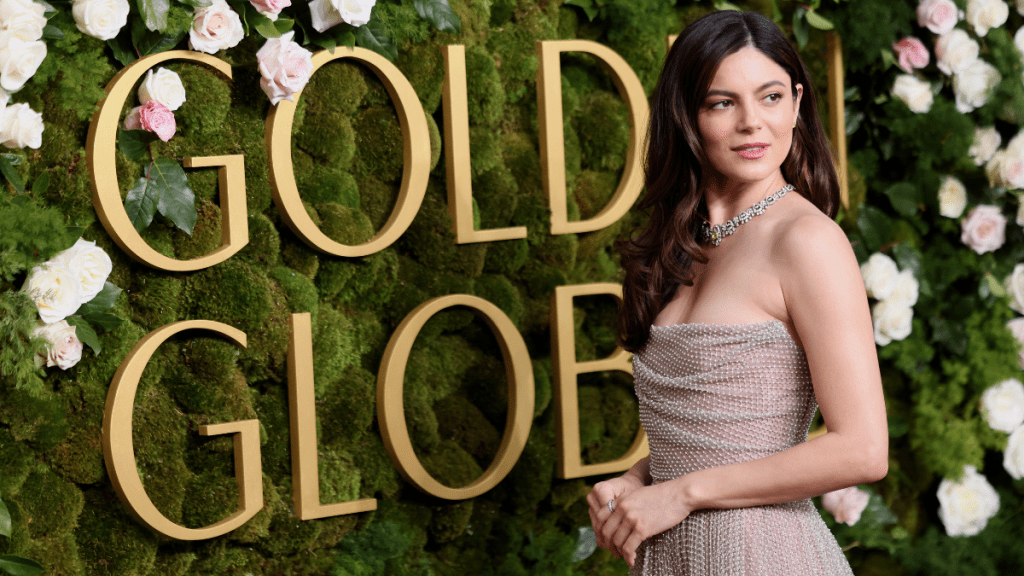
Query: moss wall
[(347, 152)]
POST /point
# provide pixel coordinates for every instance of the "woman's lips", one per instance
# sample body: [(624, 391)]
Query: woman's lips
[(752, 152)]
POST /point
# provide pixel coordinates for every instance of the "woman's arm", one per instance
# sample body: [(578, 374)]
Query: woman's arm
[(826, 300)]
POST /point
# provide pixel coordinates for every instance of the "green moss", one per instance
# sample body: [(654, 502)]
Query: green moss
[(109, 541), (153, 298), (36, 418), (484, 91), (333, 347), (336, 89), (450, 521), (205, 237), (232, 293), (208, 99), (603, 125), (17, 458), (298, 289), (424, 68), (329, 138), (51, 504), (319, 183), (79, 458), (379, 142), (498, 290), (264, 247), (346, 407), (431, 241)]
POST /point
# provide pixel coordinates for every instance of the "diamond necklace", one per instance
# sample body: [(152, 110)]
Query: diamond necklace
[(716, 232)]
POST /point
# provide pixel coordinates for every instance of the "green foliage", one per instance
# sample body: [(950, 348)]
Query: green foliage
[(78, 66)]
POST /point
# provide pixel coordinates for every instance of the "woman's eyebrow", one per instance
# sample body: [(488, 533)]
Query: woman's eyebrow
[(733, 94)]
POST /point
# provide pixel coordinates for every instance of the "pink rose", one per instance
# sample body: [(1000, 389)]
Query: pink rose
[(270, 8), (984, 229), (153, 117), (285, 66), (846, 505), (910, 54), (1016, 326), (939, 16), (63, 348)]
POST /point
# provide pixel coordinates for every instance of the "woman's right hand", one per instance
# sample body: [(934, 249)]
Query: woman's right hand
[(598, 501)]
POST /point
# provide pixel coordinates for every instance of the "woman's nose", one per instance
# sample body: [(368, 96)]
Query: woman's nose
[(749, 118)]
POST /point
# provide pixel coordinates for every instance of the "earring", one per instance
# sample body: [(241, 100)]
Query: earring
[(794, 123)]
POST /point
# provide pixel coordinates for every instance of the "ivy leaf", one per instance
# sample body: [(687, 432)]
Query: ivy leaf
[(101, 302), (819, 21), (134, 144), (439, 14), (904, 197), (8, 171), (85, 333), (154, 13), (41, 183), (375, 36), (104, 321), (176, 200), (19, 566), (5, 520), (141, 202), (875, 227), (51, 32), (588, 7), (801, 31)]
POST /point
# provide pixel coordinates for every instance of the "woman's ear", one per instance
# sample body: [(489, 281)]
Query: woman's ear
[(799, 96)]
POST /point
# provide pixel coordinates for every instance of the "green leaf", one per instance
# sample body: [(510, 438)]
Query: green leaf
[(995, 287), (819, 21), (726, 5), (85, 333), (898, 426), (196, 3), (801, 31), (104, 321), (20, 566), (5, 520), (265, 26), (8, 171), (134, 144), (284, 24), (154, 13), (51, 32), (121, 46), (41, 183), (875, 227), (155, 43), (14, 159), (904, 197), (439, 14), (176, 199), (375, 36), (951, 334), (141, 202), (588, 7), (101, 302), (346, 38)]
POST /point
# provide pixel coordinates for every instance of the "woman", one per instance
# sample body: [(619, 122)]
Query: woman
[(741, 331)]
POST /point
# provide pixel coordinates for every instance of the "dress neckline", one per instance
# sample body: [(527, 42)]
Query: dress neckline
[(728, 326)]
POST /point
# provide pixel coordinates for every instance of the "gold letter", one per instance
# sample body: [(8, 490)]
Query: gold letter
[(552, 140), (391, 414), (100, 144), (119, 449), (302, 409), (567, 369), (456, 155), (414, 176)]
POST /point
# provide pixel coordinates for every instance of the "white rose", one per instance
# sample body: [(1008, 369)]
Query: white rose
[(355, 12), (939, 16), (1020, 212), (165, 87), (215, 27), (1014, 284), (22, 17), (879, 274), (55, 290), (101, 19), (916, 94), (1020, 7), (955, 50), (1006, 168), (1018, 40), (1003, 405), (966, 506), (285, 67), (19, 60), (892, 321), (63, 348), (90, 263), (847, 504), (986, 142), (1016, 327), (984, 228), (324, 15), (906, 290), (985, 14), (952, 197), (1013, 458), (973, 84), (21, 126)]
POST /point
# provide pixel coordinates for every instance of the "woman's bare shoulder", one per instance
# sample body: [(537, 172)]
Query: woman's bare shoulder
[(806, 234)]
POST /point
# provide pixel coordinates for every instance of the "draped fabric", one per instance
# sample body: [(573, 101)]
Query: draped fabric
[(717, 394)]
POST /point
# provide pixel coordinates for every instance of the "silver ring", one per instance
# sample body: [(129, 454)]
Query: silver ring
[(611, 505)]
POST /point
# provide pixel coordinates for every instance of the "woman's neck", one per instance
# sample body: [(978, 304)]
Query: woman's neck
[(725, 199)]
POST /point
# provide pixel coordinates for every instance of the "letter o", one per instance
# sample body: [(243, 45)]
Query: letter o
[(391, 413), (415, 172), (119, 448)]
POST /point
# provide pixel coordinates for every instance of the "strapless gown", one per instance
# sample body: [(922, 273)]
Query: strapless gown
[(716, 394)]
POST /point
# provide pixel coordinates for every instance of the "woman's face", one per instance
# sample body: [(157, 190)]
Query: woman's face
[(746, 119)]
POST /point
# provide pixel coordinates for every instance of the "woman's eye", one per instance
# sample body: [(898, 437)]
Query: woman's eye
[(774, 97), (720, 104)]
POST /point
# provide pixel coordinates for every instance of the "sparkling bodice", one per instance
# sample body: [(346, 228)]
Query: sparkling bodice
[(718, 394)]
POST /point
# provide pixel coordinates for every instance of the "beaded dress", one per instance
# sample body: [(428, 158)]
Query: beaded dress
[(716, 394)]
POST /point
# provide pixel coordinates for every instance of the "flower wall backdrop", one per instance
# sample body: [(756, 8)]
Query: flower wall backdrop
[(935, 104)]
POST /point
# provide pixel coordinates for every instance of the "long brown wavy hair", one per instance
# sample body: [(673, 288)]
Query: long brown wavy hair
[(658, 257)]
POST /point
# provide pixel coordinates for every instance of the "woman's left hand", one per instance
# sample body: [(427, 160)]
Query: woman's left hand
[(641, 514)]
